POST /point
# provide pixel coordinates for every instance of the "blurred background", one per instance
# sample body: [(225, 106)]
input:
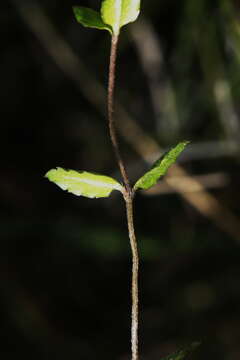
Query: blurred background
[(65, 262)]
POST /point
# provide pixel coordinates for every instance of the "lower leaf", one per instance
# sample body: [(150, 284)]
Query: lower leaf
[(83, 183)]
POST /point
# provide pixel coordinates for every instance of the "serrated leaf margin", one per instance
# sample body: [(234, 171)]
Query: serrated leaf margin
[(83, 183)]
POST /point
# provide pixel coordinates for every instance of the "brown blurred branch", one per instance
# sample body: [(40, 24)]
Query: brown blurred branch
[(162, 94), (189, 184)]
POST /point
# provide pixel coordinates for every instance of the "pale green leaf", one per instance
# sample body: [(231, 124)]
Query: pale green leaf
[(183, 353), (160, 167), (83, 183), (117, 13), (130, 11), (90, 18)]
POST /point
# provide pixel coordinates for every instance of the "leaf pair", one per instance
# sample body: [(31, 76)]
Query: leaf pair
[(96, 186), (113, 15)]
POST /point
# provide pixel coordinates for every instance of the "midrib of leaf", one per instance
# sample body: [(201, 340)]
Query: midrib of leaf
[(94, 183)]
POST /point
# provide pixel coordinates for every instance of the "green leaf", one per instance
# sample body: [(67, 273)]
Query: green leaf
[(130, 11), (90, 18), (118, 13), (83, 183), (160, 167), (183, 353)]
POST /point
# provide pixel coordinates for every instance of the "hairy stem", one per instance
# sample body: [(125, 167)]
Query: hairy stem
[(128, 197), (135, 265), (112, 130)]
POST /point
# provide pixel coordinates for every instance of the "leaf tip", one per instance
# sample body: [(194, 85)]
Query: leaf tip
[(51, 173), (75, 10), (48, 174)]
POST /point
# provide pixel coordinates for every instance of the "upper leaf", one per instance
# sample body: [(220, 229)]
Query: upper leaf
[(160, 167), (182, 354), (90, 18), (130, 11), (83, 183), (117, 13)]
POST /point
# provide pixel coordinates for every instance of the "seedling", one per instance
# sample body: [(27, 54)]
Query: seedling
[(114, 14)]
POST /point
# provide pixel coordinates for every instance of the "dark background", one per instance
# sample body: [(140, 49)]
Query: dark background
[(65, 262)]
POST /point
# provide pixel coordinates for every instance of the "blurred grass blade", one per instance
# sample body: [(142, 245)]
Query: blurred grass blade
[(90, 18), (183, 353), (83, 183), (160, 167)]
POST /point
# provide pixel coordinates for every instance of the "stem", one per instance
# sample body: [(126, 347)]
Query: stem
[(111, 123), (135, 265), (128, 197)]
